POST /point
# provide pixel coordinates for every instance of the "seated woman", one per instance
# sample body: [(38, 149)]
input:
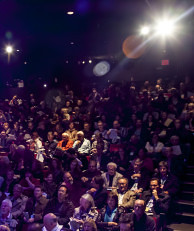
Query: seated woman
[(49, 187), (108, 217), (154, 148), (85, 211)]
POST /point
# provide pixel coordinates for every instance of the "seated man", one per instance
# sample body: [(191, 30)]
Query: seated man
[(125, 223), (98, 192), (141, 221), (18, 201), (88, 174), (168, 182), (6, 216), (82, 147), (62, 207), (126, 198), (65, 143), (73, 186), (111, 176), (50, 144), (35, 206), (138, 177), (156, 202), (51, 223)]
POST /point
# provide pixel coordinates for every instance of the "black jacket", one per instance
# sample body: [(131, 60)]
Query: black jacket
[(161, 205), (62, 210), (146, 223)]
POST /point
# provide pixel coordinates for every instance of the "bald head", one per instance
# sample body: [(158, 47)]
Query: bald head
[(50, 221)]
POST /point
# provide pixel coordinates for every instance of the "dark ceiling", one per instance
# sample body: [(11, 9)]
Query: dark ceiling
[(43, 32)]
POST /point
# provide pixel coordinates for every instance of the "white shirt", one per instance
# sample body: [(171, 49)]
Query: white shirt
[(56, 228)]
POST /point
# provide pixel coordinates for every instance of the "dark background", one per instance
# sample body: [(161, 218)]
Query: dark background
[(43, 33)]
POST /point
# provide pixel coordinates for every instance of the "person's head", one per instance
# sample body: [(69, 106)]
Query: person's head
[(134, 139), (79, 102), (55, 164), (71, 125), (137, 165), (138, 123), (86, 202), (80, 135), (164, 115), (17, 191), (125, 222), (37, 192), (154, 184), (92, 166), (86, 126), (65, 136), (142, 153), (163, 168), (177, 123), (5, 126), (100, 126), (116, 124), (62, 193), (67, 177), (35, 135), (50, 221), (89, 225), (112, 200), (10, 174), (168, 152), (174, 140), (74, 165), (97, 182), (34, 227), (6, 207), (139, 207), (3, 133), (122, 184), (4, 228), (111, 167), (154, 139), (49, 178), (50, 136), (28, 173)]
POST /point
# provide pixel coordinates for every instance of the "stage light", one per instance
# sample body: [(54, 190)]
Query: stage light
[(83, 62), (45, 85), (90, 61), (165, 27), (70, 12), (145, 30), (9, 49), (101, 68)]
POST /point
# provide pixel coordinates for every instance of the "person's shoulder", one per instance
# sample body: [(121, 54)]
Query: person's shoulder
[(130, 192)]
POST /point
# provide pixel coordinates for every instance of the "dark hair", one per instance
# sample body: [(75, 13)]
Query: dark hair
[(125, 219), (99, 180), (163, 164), (34, 227), (154, 178), (114, 196), (38, 186)]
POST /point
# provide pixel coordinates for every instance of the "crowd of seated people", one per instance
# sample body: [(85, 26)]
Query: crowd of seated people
[(109, 161)]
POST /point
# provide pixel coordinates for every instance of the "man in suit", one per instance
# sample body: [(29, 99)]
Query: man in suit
[(157, 202), (111, 176), (126, 197), (18, 201)]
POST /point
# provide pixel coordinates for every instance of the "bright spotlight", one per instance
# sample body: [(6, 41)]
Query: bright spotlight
[(165, 27), (90, 61), (45, 85), (83, 62), (145, 30), (9, 49), (70, 12)]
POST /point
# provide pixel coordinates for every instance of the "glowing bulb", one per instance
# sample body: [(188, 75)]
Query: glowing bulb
[(70, 12), (165, 27), (145, 30), (90, 61), (9, 49)]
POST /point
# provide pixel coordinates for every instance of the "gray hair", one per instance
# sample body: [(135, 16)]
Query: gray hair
[(112, 164), (8, 202), (80, 133), (89, 198)]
